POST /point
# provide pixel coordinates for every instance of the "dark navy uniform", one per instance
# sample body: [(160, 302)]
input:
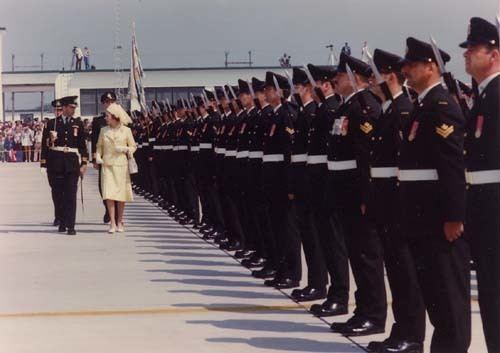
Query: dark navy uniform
[(432, 190), (482, 147), (63, 156)]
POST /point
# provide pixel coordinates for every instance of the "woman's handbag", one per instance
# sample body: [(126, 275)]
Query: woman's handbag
[(132, 166)]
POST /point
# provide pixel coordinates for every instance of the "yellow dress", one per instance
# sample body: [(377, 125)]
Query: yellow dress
[(114, 147)]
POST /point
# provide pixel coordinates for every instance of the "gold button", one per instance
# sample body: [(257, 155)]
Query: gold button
[(397, 184), (465, 152)]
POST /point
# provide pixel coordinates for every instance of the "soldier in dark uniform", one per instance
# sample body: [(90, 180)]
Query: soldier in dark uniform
[(300, 193), (482, 147), (348, 165), (408, 331), (330, 237), (284, 260), (99, 122), (56, 196), (64, 154), (432, 190)]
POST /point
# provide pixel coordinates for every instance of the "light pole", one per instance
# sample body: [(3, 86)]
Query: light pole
[(2, 112)]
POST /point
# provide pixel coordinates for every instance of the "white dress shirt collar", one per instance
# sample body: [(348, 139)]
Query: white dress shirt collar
[(386, 105), (484, 83), (422, 95)]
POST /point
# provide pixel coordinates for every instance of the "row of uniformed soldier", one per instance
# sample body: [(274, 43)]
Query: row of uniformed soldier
[(353, 167)]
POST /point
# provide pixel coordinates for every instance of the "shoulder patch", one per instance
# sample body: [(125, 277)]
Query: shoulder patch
[(290, 130), (366, 127), (444, 130), (443, 103), (405, 113)]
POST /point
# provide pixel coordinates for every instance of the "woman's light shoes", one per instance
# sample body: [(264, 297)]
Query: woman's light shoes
[(120, 228), (112, 230)]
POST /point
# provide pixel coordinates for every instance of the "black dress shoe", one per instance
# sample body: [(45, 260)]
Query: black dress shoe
[(56, 222), (286, 283), (254, 262), (209, 236), (62, 229), (244, 254), (71, 232), (264, 273), (271, 282), (106, 218), (362, 327), (378, 346), (233, 246), (329, 308), (309, 294), (404, 347)]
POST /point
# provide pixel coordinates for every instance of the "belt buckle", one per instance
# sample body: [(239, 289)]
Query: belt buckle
[(65, 149)]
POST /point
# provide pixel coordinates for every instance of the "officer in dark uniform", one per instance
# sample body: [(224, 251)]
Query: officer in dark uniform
[(65, 153), (99, 122), (348, 165), (408, 331), (58, 212), (482, 147), (330, 236), (300, 192), (432, 190)]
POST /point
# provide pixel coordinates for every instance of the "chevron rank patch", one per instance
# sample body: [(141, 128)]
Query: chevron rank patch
[(290, 131), (366, 127), (444, 130)]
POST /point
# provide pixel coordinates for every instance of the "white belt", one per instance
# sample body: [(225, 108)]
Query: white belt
[(152, 139), (204, 146), (273, 158), (255, 154), (299, 158), (68, 150), (220, 150), (139, 146), (418, 175), (342, 165), (318, 159), (169, 147), (157, 147), (181, 148), (145, 143), (230, 153), (195, 148), (483, 177), (385, 172), (242, 154)]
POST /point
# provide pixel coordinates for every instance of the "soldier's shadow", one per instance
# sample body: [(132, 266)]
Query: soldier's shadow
[(289, 344), (231, 293), (264, 325)]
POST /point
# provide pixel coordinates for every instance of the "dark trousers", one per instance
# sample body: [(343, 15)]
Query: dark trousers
[(66, 184), (303, 219), (330, 235), (407, 302), (443, 272), (231, 200), (366, 258), (57, 198), (483, 233)]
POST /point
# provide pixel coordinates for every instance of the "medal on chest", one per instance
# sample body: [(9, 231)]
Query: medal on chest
[(242, 130), (413, 131), (273, 129), (479, 126), (75, 130)]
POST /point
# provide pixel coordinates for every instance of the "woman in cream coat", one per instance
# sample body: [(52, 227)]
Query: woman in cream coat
[(114, 147)]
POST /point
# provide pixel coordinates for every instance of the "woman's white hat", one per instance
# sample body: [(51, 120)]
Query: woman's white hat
[(116, 110)]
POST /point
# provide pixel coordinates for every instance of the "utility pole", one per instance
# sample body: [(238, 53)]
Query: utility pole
[(41, 62), (117, 54), (226, 54), (13, 66), (2, 111)]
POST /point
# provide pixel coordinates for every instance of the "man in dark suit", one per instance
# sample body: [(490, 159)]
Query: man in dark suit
[(65, 151), (97, 123), (482, 147), (432, 189)]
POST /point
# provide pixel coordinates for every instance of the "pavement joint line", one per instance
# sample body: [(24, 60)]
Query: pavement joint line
[(152, 311)]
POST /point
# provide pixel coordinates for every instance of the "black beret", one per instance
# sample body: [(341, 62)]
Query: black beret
[(481, 32), (299, 77), (323, 72), (243, 87), (386, 62), (357, 66), (219, 91), (230, 95), (199, 101), (69, 100), (419, 51), (108, 96), (210, 95), (258, 85), (180, 103)]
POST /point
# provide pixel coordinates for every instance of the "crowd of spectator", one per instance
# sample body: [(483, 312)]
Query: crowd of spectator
[(22, 141)]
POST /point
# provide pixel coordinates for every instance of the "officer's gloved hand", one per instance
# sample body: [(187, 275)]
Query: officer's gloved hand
[(121, 149), (43, 171)]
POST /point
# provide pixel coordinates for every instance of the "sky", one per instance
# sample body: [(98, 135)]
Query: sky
[(196, 33)]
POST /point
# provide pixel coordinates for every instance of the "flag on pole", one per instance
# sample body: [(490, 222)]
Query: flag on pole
[(364, 50), (135, 87)]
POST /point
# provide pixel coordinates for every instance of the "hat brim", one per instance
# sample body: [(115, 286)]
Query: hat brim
[(468, 43)]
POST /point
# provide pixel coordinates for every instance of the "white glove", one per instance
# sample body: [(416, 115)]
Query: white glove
[(98, 159), (121, 149), (43, 171)]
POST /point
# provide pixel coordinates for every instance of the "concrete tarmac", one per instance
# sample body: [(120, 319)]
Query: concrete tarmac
[(155, 288)]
